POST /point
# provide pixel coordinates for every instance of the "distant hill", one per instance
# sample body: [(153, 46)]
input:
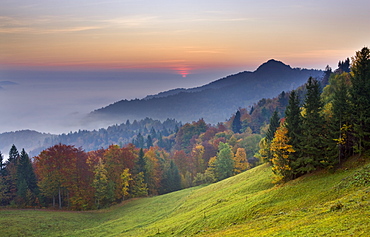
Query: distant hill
[(34, 142), (27, 139), (213, 102)]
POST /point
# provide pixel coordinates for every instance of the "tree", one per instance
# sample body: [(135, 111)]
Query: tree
[(293, 123), (312, 146), (62, 171), (281, 150), (360, 99), (26, 180), (126, 178), (240, 161), (139, 187), (237, 124), (149, 142), (171, 178), (224, 163), (274, 124), (101, 185)]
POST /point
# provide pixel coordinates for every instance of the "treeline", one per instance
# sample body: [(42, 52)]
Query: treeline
[(332, 124), (63, 176)]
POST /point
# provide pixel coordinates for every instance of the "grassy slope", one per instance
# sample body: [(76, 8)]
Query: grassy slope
[(244, 205)]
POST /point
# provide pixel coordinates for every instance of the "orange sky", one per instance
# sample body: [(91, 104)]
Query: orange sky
[(179, 36)]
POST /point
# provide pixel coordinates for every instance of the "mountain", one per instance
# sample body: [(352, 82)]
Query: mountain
[(27, 139), (213, 102)]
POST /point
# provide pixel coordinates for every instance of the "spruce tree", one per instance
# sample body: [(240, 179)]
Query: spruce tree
[(237, 124), (312, 144), (274, 124), (26, 178), (360, 98), (338, 130), (293, 123)]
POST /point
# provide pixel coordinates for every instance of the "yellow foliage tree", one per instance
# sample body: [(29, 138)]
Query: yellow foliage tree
[(240, 161), (281, 150)]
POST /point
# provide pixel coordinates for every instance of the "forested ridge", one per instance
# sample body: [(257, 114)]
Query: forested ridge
[(317, 126)]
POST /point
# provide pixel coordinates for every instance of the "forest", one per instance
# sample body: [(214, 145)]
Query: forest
[(317, 126)]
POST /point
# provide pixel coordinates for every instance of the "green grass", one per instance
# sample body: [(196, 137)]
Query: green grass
[(320, 204)]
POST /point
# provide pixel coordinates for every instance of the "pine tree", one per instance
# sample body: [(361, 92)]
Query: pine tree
[(360, 98), (237, 124)]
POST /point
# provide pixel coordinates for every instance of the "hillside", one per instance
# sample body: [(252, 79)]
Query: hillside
[(215, 101), (244, 205)]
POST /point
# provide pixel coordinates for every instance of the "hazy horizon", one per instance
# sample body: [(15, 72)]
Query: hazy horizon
[(69, 58), (55, 102)]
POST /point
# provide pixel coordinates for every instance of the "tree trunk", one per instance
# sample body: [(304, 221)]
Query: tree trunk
[(60, 199)]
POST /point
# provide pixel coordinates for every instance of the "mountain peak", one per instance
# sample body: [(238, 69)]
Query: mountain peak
[(273, 65)]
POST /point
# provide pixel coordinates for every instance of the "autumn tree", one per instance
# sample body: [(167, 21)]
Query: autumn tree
[(58, 169), (281, 150), (126, 178), (240, 161)]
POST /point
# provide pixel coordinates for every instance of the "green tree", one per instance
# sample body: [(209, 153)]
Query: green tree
[(139, 187), (293, 123), (101, 185), (26, 180), (224, 163), (171, 180), (360, 98), (312, 146), (274, 124)]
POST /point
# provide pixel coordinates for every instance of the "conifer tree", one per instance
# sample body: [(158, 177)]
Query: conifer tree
[(293, 123), (312, 146), (237, 124), (360, 98), (274, 124), (26, 178), (265, 146), (149, 141)]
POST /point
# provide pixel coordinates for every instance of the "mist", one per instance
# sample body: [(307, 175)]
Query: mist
[(55, 102)]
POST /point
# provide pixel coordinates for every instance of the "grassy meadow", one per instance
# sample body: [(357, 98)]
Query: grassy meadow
[(319, 204)]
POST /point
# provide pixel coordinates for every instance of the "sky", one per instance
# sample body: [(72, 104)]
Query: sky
[(130, 48)]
